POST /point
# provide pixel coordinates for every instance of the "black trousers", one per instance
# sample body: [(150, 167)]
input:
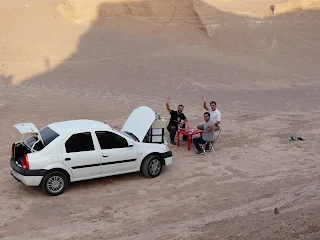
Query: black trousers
[(173, 130), (197, 141)]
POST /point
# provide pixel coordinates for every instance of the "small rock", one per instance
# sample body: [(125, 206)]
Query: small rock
[(72, 211), (17, 207), (276, 211), (201, 212), (107, 207)]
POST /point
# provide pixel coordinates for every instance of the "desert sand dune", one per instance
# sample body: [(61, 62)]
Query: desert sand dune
[(72, 59)]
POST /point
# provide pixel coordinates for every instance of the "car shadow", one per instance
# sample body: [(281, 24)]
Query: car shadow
[(111, 180)]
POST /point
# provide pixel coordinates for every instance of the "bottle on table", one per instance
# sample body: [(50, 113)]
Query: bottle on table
[(188, 129)]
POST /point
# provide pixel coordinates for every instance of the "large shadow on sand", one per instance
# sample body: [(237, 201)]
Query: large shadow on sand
[(249, 60)]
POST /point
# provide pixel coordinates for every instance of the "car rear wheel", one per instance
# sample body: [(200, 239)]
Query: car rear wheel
[(54, 183), (151, 166)]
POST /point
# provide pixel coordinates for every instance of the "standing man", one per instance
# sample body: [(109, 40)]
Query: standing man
[(177, 119), (207, 134), (215, 115)]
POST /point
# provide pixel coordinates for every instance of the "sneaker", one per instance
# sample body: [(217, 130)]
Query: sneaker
[(200, 153), (173, 142)]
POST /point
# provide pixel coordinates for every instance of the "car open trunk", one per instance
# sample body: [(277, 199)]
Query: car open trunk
[(34, 143), (18, 151)]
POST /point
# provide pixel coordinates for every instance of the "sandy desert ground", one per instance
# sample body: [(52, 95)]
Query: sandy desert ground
[(62, 60)]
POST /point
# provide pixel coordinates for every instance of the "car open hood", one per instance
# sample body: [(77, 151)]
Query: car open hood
[(139, 122), (24, 128)]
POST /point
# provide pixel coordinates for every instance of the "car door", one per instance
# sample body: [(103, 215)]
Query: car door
[(116, 154), (80, 155)]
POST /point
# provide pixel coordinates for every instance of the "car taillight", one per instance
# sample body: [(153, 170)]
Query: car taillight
[(25, 162), (12, 150)]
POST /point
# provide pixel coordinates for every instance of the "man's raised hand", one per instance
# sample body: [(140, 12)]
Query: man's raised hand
[(204, 99), (167, 104)]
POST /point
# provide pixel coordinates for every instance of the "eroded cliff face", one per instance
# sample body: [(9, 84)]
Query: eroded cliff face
[(208, 14), (294, 5), (153, 10)]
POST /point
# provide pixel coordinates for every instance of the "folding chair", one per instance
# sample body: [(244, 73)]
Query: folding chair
[(203, 147), (219, 135)]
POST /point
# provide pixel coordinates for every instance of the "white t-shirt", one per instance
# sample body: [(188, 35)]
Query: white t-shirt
[(214, 115)]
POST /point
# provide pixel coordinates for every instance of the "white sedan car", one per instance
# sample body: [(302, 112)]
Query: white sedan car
[(70, 151)]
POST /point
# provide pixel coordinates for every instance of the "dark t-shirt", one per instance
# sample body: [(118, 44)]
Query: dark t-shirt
[(175, 118)]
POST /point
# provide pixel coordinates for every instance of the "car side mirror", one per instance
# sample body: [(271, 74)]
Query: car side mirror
[(130, 144)]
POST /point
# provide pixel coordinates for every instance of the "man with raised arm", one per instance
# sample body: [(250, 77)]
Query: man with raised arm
[(177, 119), (215, 115)]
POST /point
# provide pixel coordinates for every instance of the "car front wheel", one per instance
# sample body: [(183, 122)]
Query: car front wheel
[(54, 183), (151, 166)]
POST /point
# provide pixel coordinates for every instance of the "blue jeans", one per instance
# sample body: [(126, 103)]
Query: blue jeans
[(197, 141)]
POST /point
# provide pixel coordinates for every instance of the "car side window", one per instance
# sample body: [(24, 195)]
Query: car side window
[(110, 140), (79, 142)]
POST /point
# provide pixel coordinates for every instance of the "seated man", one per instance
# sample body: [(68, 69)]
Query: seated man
[(215, 116), (207, 134), (177, 119)]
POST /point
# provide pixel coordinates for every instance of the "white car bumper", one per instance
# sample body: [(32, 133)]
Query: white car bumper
[(168, 161), (167, 156), (27, 180), (26, 176)]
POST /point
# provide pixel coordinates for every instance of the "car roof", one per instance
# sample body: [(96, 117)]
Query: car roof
[(74, 125)]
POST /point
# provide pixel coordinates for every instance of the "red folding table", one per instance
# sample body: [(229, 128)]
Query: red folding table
[(189, 135)]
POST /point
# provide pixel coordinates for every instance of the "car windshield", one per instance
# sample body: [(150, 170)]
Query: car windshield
[(127, 134), (47, 135)]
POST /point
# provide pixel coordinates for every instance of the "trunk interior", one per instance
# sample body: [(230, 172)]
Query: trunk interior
[(19, 151)]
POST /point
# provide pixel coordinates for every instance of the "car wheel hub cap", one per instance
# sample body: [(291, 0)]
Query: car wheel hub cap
[(154, 166), (55, 184)]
